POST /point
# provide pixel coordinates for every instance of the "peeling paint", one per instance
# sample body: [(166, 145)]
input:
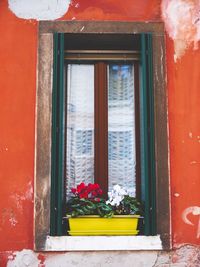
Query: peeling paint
[(8, 216), (176, 194), (111, 259), (190, 134), (24, 258), (77, 5), (20, 197), (184, 255), (182, 21), (195, 210), (82, 29), (39, 10), (13, 221), (194, 162)]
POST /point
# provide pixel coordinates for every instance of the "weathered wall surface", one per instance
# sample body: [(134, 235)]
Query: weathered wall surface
[(18, 56)]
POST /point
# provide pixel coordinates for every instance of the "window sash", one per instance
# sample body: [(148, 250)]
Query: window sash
[(147, 137)]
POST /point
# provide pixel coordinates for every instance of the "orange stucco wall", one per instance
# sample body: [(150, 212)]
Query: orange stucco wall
[(18, 57)]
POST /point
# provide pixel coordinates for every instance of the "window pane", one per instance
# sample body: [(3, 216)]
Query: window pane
[(121, 127), (80, 124)]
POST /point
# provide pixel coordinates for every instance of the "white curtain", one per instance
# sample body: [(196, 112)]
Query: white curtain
[(80, 125), (121, 127)]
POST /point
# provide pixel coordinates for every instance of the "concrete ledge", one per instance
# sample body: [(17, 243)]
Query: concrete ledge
[(102, 243)]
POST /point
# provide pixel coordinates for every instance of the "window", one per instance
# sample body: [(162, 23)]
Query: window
[(109, 81), (85, 90)]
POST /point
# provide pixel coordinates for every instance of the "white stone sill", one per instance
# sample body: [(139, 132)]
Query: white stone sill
[(102, 243)]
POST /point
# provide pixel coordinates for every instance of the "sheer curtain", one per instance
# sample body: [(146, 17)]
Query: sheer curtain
[(80, 125), (121, 127)]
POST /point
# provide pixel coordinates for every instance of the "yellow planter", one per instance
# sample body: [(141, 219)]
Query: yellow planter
[(95, 225)]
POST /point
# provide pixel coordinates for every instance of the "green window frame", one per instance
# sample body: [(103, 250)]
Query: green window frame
[(147, 136)]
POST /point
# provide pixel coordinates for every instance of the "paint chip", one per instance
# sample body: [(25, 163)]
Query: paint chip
[(182, 23), (82, 29), (24, 258), (176, 194), (13, 221)]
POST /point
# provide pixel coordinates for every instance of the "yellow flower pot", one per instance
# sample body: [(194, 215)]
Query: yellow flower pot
[(95, 225)]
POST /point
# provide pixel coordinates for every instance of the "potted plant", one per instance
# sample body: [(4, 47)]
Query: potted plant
[(91, 214)]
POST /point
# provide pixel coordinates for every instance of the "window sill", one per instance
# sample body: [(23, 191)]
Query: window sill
[(100, 243)]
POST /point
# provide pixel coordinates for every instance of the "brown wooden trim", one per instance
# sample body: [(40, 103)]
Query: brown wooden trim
[(100, 27), (43, 142), (161, 142), (137, 129), (101, 126), (104, 57)]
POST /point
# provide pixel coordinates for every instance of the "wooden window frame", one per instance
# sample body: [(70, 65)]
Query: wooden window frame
[(101, 124), (44, 119)]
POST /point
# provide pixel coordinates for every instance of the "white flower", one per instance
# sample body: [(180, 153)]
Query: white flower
[(116, 195), (117, 188)]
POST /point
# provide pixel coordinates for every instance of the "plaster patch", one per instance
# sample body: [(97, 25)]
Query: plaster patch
[(39, 9), (182, 21), (24, 258)]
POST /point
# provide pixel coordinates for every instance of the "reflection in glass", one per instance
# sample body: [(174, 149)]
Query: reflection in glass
[(121, 127)]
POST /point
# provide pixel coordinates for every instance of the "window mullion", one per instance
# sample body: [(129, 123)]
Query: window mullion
[(101, 126)]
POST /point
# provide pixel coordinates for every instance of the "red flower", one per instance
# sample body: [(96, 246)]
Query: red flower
[(97, 199), (80, 187), (94, 193), (73, 190), (87, 191), (84, 195), (90, 187), (96, 186)]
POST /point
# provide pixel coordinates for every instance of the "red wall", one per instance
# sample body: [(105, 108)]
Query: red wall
[(18, 57)]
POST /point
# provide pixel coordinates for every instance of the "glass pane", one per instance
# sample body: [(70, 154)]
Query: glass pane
[(121, 127), (80, 125)]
